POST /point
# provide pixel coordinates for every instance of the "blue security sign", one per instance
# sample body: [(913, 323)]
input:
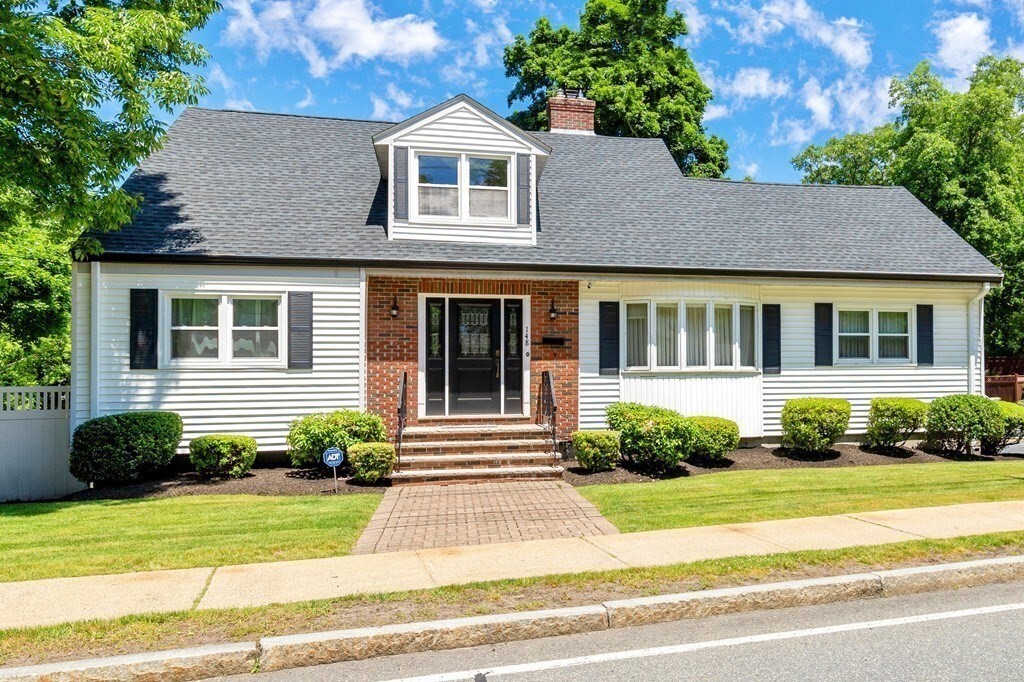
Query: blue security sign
[(332, 457)]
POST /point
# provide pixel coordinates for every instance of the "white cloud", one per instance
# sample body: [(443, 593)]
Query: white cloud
[(791, 131), (241, 103), (485, 5), (1015, 49), (818, 102), (1016, 8), (219, 78), (394, 105), (306, 101), (962, 40), (696, 21), (751, 169), (716, 111), (329, 33), (755, 82), (849, 104), (486, 47), (845, 36)]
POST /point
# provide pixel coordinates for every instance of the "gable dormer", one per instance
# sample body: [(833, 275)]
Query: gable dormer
[(459, 172)]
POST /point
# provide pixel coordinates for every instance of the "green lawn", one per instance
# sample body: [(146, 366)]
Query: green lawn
[(56, 539), (738, 496)]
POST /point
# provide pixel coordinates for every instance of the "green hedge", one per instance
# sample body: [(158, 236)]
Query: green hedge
[(121, 447), (596, 450), (371, 462), (956, 422), (1013, 428), (309, 436), (814, 424), (222, 454), (891, 421), (654, 437), (713, 438)]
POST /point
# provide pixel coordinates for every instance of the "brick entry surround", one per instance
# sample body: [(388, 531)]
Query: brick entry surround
[(392, 343)]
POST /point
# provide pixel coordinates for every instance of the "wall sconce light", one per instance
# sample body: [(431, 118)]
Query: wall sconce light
[(552, 311), (394, 307)]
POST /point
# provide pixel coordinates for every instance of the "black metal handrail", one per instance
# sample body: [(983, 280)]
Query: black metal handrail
[(402, 414), (547, 410)]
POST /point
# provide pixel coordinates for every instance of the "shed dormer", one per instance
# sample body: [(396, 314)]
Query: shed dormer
[(459, 172)]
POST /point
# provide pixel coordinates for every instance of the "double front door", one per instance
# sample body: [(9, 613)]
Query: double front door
[(474, 355)]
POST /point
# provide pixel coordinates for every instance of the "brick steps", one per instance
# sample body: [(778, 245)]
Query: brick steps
[(450, 476), (461, 447), (490, 432), (476, 461)]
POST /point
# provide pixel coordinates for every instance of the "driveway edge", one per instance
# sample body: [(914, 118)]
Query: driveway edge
[(292, 651)]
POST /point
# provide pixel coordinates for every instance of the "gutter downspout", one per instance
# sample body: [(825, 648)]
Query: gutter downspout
[(979, 342)]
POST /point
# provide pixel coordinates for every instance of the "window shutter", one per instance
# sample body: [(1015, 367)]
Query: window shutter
[(771, 338), (143, 305), (300, 330), (823, 335), (925, 335), (401, 181), (523, 189), (608, 337)]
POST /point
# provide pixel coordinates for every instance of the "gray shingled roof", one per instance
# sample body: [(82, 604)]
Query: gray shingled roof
[(236, 186)]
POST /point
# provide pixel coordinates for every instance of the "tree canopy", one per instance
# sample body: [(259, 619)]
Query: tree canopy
[(626, 57), (962, 155), (81, 86)]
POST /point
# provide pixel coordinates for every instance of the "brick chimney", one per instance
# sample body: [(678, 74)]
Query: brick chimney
[(569, 111)]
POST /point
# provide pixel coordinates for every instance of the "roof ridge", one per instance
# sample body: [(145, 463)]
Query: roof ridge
[(791, 184), (279, 113)]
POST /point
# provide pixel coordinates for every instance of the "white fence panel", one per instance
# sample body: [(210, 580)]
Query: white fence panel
[(34, 444)]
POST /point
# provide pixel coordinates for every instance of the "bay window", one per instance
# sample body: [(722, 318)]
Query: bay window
[(723, 336), (222, 330), (870, 335), (666, 351), (463, 188), (689, 335), (636, 335), (696, 335)]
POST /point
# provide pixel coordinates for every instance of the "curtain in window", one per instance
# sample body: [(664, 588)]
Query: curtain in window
[(854, 334), (636, 335), (667, 340), (723, 336), (893, 335), (696, 335), (747, 334)]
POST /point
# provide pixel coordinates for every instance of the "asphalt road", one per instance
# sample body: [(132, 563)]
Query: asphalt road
[(970, 634)]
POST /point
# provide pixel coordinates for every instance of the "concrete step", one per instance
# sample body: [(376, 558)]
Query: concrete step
[(476, 460), (461, 447), (448, 476), (488, 432)]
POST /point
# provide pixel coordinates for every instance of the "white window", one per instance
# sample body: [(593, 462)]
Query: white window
[(870, 335), (687, 335), (222, 330), (463, 188)]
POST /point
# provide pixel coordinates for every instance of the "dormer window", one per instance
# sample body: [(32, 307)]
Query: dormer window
[(463, 187)]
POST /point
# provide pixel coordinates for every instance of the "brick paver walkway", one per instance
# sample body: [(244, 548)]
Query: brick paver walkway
[(420, 517)]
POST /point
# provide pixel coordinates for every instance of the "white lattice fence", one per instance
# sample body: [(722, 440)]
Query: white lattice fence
[(34, 443)]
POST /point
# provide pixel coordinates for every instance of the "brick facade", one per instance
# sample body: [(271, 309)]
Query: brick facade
[(392, 343), (568, 113)]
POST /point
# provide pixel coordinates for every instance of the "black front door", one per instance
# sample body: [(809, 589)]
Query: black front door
[(475, 356)]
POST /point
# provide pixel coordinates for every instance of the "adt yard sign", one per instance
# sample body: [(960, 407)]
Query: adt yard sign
[(332, 458)]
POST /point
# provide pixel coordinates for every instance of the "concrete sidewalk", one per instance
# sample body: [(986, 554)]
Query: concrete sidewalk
[(47, 602)]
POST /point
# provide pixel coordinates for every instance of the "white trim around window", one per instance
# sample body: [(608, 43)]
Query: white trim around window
[(464, 189), (257, 336), (673, 335), (896, 333)]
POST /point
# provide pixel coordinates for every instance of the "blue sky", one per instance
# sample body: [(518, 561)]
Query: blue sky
[(784, 72)]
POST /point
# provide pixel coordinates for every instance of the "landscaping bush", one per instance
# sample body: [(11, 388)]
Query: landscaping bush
[(891, 421), (955, 422), (654, 437), (713, 438), (1013, 428), (814, 424), (309, 436), (371, 462), (222, 454), (122, 447), (596, 450)]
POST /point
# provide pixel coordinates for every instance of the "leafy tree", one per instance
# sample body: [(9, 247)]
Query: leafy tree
[(63, 64), (626, 58), (962, 155)]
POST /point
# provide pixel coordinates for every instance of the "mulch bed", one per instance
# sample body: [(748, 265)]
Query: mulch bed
[(276, 481), (772, 458)]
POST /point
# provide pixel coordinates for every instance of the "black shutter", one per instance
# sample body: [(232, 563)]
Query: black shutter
[(608, 337), (401, 180), (925, 335), (823, 334), (143, 325), (523, 189), (771, 338), (300, 330)]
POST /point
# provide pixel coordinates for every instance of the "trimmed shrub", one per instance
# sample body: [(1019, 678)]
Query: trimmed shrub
[(955, 422), (891, 421), (713, 437), (596, 450), (654, 437), (222, 454), (371, 462), (121, 447), (1013, 428), (309, 436), (814, 424)]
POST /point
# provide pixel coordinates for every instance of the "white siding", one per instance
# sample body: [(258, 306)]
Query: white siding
[(462, 129), (597, 391), (81, 319), (733, 396), (256, 402)]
